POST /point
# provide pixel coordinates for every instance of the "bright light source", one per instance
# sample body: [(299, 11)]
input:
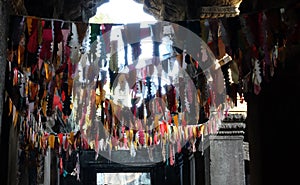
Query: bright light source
[(121, 11)]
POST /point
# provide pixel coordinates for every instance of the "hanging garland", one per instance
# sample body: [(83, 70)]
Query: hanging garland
[(62, 89), (57, 63)]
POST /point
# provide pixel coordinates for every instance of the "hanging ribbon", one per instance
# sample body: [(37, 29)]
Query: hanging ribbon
[(51, 140)]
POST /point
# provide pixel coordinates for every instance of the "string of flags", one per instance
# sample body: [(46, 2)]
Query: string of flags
[(69, 78), (58, 86)]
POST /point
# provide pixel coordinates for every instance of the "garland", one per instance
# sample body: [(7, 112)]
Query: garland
[(64, 88)]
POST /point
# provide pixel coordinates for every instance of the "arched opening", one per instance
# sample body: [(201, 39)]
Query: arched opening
[(122, 12)]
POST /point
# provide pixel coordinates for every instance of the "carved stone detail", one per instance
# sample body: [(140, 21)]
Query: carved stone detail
[(80, 10), (232, 129)]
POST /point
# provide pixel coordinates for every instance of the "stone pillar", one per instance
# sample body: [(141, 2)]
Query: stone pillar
[(47, 167), (3, 47), (3, 137), (224, 156)]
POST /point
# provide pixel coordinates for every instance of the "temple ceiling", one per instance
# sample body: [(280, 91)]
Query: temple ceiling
[(170, 10)]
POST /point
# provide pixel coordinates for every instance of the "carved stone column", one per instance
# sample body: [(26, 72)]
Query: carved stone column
[(224, 156), (3, 46)]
